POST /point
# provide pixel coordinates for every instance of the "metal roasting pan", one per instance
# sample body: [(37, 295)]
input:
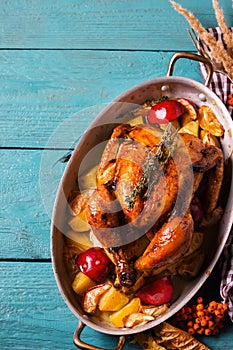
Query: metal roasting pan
[(99, 131)]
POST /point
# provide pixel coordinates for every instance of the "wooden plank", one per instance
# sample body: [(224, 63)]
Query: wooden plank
[(25, 206), (42, 89), (105, 24), (34, 315)]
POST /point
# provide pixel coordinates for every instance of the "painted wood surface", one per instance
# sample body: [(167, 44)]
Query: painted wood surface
[(42, 89), (33, 314), (61, 61), (104, 24)]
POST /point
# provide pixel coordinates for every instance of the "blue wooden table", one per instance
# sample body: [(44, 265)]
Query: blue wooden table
[(60, 61)]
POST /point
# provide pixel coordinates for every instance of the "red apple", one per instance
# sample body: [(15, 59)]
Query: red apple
[(157, 292), (94, 263), (92, 296), (165, 111)]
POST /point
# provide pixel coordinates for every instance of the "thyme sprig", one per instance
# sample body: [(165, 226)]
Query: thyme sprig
[(158, 155)]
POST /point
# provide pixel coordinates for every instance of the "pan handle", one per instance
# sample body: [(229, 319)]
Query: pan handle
[(194, 57), (81, 345)]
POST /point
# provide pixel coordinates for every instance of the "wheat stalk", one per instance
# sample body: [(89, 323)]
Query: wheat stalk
[(217, 52), (227, 34)]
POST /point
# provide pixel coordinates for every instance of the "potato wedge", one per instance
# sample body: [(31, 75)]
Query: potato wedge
[(191, 127), (88, 180), (79, 223), (82, 283), (175, 123), (79, 239), (132, 307), (184, 119), (113, 300), (209, 139), (136, 121)]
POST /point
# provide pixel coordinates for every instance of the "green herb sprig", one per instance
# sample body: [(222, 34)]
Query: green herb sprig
[(164, 151)]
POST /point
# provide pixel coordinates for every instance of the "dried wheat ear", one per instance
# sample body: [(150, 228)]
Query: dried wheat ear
[(218, 52)]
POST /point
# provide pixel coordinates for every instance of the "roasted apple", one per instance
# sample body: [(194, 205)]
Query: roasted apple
[(157, 292), (94, 263), (92, 296), (165, 111)]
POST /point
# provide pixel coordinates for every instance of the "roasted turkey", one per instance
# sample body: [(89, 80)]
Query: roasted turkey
[(146, 180)]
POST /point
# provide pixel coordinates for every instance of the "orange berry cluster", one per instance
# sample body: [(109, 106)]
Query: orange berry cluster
[(201, 319), (230, 99)]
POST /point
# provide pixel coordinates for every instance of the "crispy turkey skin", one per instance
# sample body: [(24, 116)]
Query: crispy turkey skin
[(144, 187)]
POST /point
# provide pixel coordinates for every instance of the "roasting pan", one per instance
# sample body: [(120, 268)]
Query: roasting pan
[(98, 132)]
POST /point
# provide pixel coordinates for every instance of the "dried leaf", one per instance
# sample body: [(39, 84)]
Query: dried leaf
[(147, 342), (209, 122), (174, 338)]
